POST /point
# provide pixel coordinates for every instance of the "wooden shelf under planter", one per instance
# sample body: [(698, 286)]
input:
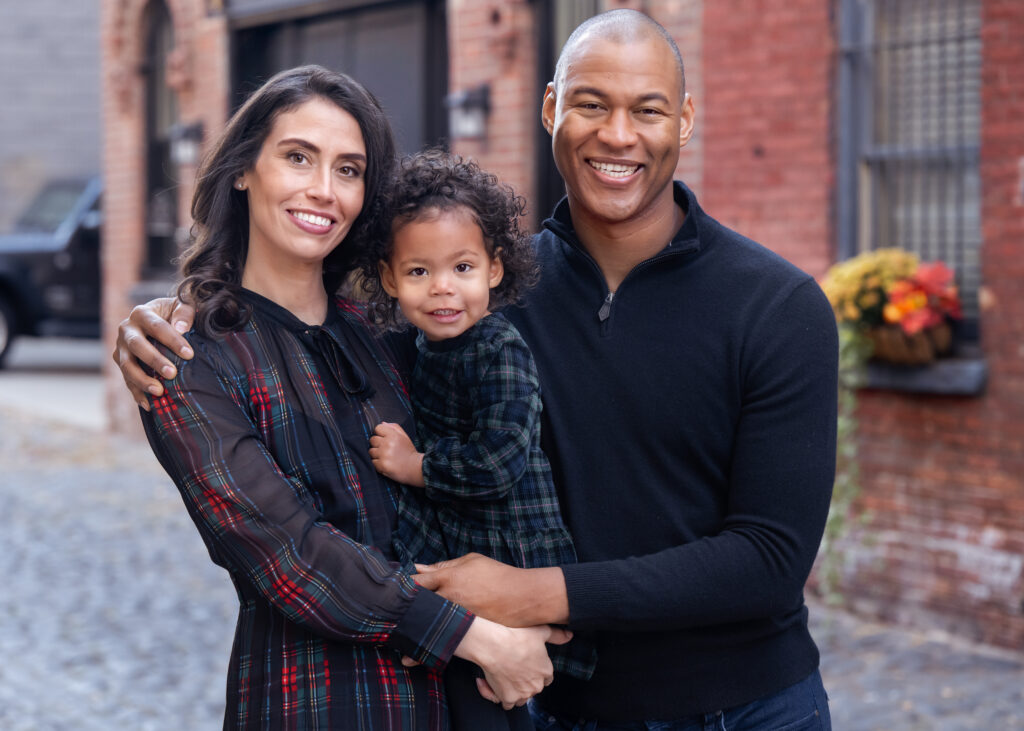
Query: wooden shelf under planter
[(965, 373)]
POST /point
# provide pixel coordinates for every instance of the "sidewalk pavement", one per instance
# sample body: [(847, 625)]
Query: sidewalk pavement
[(56, 378), (113, 617)]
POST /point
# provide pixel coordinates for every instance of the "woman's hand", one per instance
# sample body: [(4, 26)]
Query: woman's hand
[(514, 660), (163, 320), (394, 455)]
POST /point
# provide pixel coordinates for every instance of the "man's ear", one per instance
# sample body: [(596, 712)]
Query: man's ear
[(547, 108), (687, 120), (387, 278)]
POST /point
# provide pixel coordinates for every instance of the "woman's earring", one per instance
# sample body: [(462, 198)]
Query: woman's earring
[(240, 185)]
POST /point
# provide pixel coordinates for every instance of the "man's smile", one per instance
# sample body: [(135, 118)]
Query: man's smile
[(613, 169)]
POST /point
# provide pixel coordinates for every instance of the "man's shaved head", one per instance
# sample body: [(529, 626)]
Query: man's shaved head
[(619, 26)]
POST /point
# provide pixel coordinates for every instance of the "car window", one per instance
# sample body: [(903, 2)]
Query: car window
[(51, 206)]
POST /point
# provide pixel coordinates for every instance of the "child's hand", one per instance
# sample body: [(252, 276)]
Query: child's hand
[(395, 456)]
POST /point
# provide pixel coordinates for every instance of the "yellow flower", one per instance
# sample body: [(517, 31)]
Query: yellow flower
[(868, 299)]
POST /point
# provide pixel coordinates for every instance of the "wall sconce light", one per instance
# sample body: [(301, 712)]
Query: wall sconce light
[(185, 142), (468, 111)]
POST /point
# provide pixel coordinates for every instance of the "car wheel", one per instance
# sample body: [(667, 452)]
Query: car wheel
[(6, 329)]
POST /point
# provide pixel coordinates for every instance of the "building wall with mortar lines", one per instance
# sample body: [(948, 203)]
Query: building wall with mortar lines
[(49, 77), (769, 170), (198, 72), (495, 44), (942, 476)]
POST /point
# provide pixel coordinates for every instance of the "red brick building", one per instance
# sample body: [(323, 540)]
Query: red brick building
[(824, 128)]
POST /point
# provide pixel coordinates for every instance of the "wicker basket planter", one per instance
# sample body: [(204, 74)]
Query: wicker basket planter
[(892, 345)]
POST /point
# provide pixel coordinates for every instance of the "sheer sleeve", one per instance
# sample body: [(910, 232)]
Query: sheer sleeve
[(264, 528)]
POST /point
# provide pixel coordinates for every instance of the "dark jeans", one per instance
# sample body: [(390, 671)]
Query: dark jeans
[(800, 707)]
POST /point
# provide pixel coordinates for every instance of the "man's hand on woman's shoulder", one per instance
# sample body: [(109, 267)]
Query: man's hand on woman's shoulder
[(163, 320)]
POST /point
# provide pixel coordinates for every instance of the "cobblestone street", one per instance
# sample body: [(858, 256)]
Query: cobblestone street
[(112, 616), (885, 678)]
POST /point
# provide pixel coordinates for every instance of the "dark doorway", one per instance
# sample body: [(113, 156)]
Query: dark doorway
[(558, 19), (398, 51), (161, 173)]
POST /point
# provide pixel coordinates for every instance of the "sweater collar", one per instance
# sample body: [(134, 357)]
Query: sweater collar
[(686, 239)]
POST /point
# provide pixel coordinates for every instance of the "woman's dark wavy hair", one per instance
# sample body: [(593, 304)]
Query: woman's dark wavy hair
[(212, 265), (433, 182)]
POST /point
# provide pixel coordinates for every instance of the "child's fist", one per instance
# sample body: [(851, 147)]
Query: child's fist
[(394, 455)]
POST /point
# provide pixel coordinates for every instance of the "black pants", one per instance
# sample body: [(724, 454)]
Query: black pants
[(470, 711)]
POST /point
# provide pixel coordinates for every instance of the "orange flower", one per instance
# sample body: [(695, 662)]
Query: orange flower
[(922, 300), (891, 286), (892, 313)]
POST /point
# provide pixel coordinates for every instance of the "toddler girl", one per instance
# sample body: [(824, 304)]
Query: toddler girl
[(479, 480)]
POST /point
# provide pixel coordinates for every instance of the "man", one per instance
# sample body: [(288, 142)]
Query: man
[(689, 381)]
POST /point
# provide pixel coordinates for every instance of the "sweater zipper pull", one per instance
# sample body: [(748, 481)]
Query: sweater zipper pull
[(606, 307)]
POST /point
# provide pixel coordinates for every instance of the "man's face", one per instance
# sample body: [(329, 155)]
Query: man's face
[(617, 123)]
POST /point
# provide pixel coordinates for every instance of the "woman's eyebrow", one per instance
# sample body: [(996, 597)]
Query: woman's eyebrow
[(299, 142)]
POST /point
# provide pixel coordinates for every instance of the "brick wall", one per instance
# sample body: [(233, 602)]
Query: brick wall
[(768, 156), (683, 20), (495, 43), (200, 78), (944, 542), (943, 491), (944, 477)]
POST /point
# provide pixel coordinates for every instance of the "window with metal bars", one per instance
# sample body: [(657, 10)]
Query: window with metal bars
[(909, 127)]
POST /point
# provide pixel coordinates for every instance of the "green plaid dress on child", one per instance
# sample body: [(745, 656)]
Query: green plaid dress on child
[(476, 400)]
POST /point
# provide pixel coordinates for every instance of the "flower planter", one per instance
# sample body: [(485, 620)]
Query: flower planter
[(892, 345)]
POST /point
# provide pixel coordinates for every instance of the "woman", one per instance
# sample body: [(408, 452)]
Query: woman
[(266, 431)]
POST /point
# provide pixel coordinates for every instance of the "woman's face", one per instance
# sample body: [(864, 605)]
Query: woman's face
[(306, 187)]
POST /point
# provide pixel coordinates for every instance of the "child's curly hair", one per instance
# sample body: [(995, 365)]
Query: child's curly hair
[(435, 180)]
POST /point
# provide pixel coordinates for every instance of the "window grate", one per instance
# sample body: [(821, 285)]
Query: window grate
[(910, 103)]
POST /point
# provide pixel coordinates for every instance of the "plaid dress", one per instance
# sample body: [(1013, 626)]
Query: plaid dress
[(266, 432), (476, 399)]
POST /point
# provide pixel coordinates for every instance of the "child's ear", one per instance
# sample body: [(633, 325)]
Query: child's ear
[(387, 278), (497, 270)]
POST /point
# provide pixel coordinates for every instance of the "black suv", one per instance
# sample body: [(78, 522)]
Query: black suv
[(50, 265)]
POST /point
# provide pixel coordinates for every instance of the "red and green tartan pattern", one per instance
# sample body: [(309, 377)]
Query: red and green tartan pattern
[(251, 439)]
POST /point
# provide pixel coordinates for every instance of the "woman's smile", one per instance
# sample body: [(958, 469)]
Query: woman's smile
[(305, 190)]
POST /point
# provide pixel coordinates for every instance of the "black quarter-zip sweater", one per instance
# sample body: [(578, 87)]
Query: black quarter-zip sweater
[(690, 422)]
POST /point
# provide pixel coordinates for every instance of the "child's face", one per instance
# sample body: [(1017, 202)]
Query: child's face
[(441, 274)]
